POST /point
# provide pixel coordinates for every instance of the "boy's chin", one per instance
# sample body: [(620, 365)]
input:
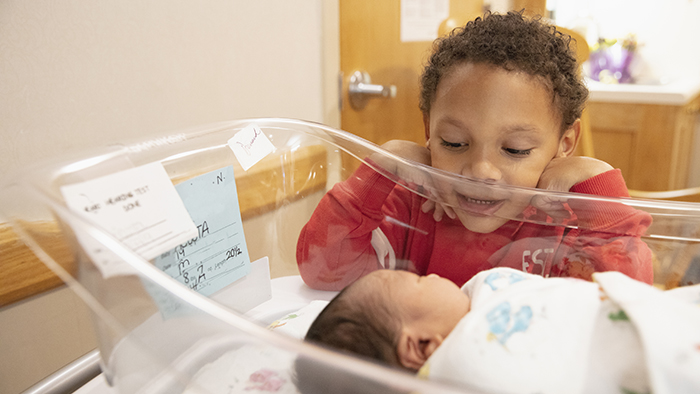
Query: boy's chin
[(480, 224)]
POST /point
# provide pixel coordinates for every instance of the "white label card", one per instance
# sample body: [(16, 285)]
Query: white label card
[(138, 206), (250, 145)]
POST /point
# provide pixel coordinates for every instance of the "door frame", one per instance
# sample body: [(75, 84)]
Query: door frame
[(330, 55)]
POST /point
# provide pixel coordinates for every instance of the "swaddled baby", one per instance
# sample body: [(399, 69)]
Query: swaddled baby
[(510, 331)]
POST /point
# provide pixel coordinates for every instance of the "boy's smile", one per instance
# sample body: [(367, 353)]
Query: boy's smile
[(497, 127), (479, 207)]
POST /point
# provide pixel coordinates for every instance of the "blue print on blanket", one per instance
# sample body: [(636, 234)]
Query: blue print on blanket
[(503, 323), (500, 280)]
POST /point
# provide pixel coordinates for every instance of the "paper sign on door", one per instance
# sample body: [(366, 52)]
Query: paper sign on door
[(421, 19)]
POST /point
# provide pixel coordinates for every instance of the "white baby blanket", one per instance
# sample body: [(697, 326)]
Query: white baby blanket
[(528, 334)]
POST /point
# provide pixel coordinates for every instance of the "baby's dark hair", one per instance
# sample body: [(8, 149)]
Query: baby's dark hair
[(514, 43), (358, 322)]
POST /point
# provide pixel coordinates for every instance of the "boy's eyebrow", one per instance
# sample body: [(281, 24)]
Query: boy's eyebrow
[(509, 129), (518, 128), (452, 121)]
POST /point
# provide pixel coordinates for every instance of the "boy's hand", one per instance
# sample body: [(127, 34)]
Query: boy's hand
[(415, 177), (563, 173)]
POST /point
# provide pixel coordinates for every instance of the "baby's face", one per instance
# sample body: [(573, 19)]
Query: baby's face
[(432, 302), (496, 126)]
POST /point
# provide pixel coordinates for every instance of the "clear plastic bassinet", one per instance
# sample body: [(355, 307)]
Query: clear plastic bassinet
[(158, 334)]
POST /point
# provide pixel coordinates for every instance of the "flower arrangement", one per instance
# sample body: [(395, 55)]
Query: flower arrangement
[(610, 60)]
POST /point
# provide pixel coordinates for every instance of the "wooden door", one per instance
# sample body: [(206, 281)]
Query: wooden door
[(370, 41)]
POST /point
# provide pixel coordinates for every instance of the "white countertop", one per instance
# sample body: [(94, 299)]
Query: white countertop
[(677, 92)]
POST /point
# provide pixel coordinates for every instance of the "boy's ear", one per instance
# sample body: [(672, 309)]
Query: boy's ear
[(413, 349), (426, 126), (569, 141)]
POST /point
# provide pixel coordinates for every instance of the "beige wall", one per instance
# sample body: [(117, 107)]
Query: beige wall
[(79, 74), (75, 74), (40, 335)]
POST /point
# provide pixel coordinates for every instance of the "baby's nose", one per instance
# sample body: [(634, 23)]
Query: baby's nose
[(433, 276)]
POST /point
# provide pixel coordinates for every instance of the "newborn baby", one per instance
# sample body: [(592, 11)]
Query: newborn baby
[(510, 331)]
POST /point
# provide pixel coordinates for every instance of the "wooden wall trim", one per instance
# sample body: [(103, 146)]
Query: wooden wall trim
[(23, 275)]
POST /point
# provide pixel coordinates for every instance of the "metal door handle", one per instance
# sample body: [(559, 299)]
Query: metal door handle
[(361, 90)]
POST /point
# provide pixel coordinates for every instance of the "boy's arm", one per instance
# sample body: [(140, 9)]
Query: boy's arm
[(608, 237), (334, 247)]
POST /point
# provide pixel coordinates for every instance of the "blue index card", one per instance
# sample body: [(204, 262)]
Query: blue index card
[(218, 256)]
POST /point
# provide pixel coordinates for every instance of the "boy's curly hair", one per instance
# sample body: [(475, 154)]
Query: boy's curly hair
[(514, 43)]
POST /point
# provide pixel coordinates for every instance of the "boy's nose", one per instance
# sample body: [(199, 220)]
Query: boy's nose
[(484, 169)]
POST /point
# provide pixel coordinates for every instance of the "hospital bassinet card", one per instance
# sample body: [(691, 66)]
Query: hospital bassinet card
[(218, 255), (138, 206)]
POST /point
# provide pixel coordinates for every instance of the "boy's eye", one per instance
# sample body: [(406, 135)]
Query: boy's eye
[(453, 145), (518, 152)]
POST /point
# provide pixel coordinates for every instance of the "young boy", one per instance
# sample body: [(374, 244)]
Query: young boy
[(509, 331), (501, 101)]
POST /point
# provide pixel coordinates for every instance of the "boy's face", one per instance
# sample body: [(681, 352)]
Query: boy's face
[(430, 303), (496, 126)]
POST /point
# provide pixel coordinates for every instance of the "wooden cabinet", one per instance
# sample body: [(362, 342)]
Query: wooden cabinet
[(651, 143)]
